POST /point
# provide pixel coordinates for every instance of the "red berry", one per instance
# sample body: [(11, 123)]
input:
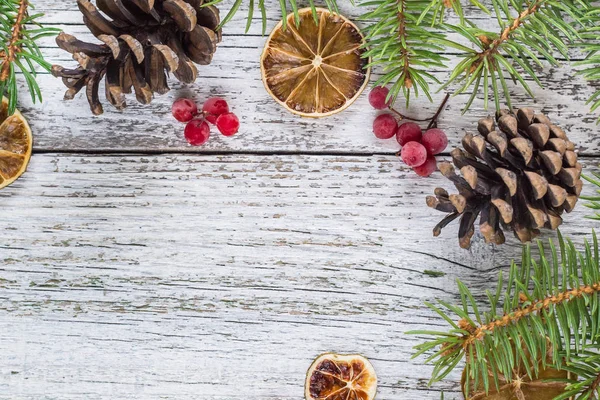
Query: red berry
[(427, 168), (413, 154), (377, 97), (385, 126), (228, 124), (214, 107), (197, 132), (408, 132), (184, 110), (435, 141)]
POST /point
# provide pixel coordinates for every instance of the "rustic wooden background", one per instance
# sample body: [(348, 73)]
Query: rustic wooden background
[(133, 266)]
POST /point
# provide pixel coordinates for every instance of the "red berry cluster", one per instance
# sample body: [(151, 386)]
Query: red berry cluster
[(215, 110), (418, 148)]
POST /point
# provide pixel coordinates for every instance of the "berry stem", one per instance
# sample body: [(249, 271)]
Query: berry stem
[(402, 116), (433, 122)]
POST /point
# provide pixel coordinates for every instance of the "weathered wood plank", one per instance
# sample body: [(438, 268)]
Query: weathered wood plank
[(221, 277), (266, 127)]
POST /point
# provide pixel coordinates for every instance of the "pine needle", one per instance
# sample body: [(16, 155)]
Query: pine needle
[(403, 43), (19, 32)]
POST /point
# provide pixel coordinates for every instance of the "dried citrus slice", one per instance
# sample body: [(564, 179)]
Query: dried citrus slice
[(340, 377), (15, 145), (315, 70), (547, 384)]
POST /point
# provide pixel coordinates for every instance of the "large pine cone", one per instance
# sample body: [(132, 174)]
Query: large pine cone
[(522, 176), (144, 38)]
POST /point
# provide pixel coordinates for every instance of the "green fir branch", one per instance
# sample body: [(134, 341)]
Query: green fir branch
[(530, 31), (590, 43), (19, 31), (549, 305), (402, 43)]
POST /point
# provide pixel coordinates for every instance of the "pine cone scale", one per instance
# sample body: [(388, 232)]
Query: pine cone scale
[(557, 195), (97, 20), (509, 178), (182, 13), (521, 174), (118, 12), (112, 43), (539, 133), (552, 160), (508, 124), (558, 145), (208, 17), (145, 5)]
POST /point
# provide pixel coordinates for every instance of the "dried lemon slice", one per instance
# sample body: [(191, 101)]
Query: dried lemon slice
[(340, 377), (15, 145), (315, 70)]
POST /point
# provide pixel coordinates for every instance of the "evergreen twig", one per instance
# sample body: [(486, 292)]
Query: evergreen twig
[(530, 31), (402, 42), (549, 306), (19, 32)]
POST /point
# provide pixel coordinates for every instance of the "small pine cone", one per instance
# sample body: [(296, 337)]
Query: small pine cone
[(520, 176), (141, 40)]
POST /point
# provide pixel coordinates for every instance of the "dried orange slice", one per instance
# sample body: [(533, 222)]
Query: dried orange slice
[(15, 145), (340, 377), (315, 70), (546, 384)]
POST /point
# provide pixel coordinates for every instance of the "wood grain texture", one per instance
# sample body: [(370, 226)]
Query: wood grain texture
[(221, 277)]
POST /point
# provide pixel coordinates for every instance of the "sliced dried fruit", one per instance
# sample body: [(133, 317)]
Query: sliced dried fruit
[(547, 384), (315, 70), (340, 377), (15, 145)]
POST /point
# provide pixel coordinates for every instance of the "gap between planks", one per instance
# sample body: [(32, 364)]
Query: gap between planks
[(192, 151)]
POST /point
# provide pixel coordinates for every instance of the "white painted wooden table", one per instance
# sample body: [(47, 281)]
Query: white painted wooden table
[(135, 267)]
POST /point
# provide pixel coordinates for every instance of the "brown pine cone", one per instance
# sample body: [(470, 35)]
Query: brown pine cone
[(520, 175), (143, 39)]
